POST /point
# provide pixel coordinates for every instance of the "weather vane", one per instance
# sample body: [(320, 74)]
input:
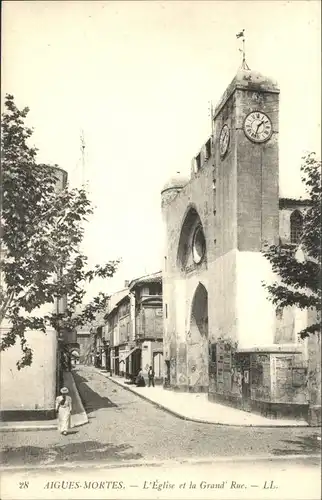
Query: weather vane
[(241, 35)]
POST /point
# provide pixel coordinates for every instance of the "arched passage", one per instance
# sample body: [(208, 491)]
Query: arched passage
[(199, 313), (197, 341)]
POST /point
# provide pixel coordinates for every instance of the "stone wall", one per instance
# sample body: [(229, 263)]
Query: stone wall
[(314, 378), (271, 383)]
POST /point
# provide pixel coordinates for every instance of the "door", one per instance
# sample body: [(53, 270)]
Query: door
[(136, 362), (117, 361), (244, 363), (167, 374), (157, 364)]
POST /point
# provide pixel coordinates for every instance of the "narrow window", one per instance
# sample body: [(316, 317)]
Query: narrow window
[(198, 162), (208, 149)]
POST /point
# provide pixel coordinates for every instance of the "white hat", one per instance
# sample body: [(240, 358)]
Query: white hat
[(64, 390)]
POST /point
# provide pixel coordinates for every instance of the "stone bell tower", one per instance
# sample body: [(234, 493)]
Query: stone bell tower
[(219, 326), (216, 225), (246, 161), (245, 195)]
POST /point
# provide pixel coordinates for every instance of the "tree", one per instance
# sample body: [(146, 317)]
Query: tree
[(42, 228), (299, 269)]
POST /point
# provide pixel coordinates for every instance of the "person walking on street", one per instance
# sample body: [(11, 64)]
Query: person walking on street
[(140, 379), (64, 409), (151, 376)]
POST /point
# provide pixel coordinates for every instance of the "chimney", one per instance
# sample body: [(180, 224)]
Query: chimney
[(126, 283)]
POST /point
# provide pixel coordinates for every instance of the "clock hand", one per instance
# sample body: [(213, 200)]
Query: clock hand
[(261, 123)]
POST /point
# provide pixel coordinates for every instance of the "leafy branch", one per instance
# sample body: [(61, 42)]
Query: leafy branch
[(42, 228)]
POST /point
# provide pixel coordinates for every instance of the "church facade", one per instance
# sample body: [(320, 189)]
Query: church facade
[(221, 333)]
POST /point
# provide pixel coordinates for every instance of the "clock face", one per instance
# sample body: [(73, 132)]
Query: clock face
[(224, 140), (258, 127)]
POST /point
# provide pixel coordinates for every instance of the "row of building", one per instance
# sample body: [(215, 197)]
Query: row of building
[(129, 336)]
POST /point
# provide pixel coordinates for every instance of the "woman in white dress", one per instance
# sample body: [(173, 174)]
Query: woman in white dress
[(64, 409)]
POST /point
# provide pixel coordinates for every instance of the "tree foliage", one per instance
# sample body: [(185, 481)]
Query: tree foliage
[(42, 227), (299, 268)]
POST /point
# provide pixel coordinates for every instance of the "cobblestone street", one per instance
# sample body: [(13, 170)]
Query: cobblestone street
[(123, 427)]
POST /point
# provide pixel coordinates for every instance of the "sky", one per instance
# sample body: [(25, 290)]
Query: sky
[(136, 78)]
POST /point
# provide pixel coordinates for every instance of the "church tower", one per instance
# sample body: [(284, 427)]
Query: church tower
[(245, 196), (219, 326), (246, 162), (216, 225)]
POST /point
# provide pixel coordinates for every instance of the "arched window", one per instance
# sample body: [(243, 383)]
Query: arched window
[(198, 245), (192, 242), (296, 226)]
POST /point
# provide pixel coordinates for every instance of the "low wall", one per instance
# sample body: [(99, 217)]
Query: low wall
[(29, 393), (271, 382)]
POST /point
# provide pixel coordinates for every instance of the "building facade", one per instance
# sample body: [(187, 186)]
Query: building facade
[(111, 330), (134, 328), (221, 333), (85, 342), (146, 294)]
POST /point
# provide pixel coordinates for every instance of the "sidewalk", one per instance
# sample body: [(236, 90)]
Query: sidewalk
[(197, 408), (78, 417)]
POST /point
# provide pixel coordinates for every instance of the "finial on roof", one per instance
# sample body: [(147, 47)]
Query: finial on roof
[(244, 64)]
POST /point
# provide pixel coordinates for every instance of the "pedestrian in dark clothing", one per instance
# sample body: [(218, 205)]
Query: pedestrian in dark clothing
[(151, 376), (140, 382)]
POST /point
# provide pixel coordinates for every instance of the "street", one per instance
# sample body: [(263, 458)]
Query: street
[(124, 428)]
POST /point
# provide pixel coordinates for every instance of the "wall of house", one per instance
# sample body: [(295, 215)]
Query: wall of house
[(31, 389), (113, 329), (124, 322), (151, 322)]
